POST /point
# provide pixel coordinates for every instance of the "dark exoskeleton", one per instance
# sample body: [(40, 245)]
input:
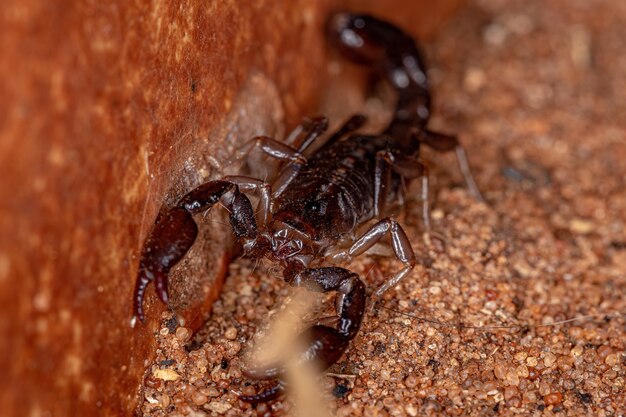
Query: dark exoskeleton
[(309, 213)]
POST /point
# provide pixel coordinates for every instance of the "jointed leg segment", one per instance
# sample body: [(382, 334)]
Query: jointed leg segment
[(399, 242), (445, 143), (407, 167)]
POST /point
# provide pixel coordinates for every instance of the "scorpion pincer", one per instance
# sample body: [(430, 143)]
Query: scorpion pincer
[(310, 210)]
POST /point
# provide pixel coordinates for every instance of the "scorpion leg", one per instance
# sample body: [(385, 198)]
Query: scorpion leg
[(269, 394), (319, 125), (352, 124), (399, 242), (445, 143), (324, 344), (279, 151), (175, 231), (316, 127), (405, 166), (313, 132), (305, 128), (270, 147)]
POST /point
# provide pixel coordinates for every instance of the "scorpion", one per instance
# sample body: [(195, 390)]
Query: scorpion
[(323, 192)]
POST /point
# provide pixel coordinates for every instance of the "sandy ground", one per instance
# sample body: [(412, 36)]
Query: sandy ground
[(516, 306)]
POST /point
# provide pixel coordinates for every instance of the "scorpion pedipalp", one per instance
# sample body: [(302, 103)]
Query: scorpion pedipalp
[(175, 231), (323, 345)]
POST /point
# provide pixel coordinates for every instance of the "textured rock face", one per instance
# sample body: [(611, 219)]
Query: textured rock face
[(107, 111)]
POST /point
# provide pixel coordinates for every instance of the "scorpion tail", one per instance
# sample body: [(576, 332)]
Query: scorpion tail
[(394, 55)]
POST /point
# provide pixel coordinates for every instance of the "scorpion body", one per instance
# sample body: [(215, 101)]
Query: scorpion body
[(310, 212)]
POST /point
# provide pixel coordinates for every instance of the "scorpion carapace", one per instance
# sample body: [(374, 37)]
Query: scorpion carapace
[(310, 210)]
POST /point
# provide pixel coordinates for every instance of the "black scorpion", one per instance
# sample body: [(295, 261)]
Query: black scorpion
[(309, 212)]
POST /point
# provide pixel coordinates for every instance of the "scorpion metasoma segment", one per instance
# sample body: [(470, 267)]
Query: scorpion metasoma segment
[(310, 210)]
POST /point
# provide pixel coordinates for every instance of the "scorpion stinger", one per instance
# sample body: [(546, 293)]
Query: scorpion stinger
[(320, 194), (387, 50)]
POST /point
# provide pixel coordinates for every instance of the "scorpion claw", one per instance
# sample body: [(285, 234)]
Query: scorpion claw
[(171, 237)]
